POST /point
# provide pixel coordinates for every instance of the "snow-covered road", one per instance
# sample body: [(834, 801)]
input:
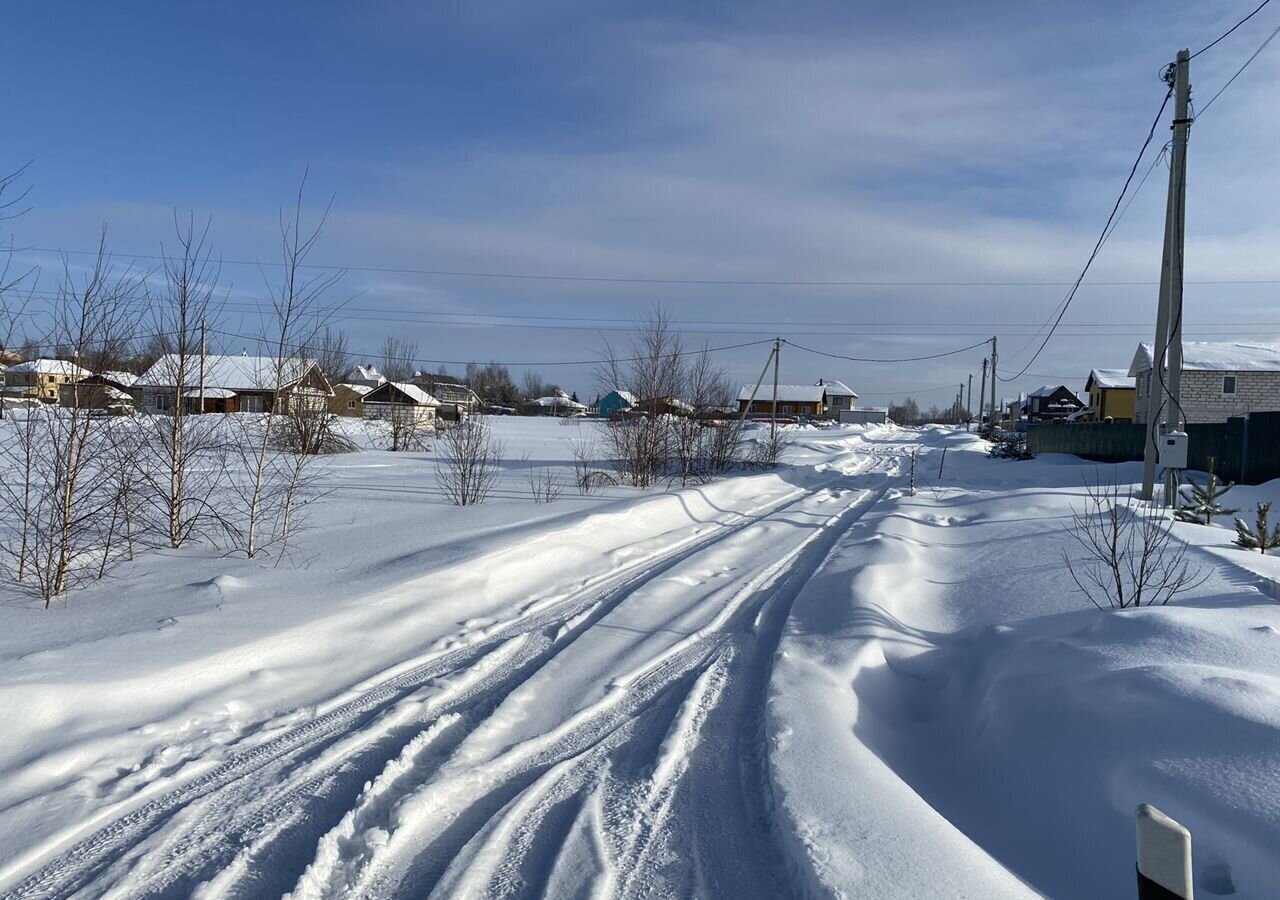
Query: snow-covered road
[(606, 741)]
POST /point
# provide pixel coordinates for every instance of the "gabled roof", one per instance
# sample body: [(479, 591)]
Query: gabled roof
[(446, 392), (560, 400), (837, 388), (1109, 378), (627, 396), (124, 379), (1216, 356), (367, 373), (360, 389), (49, 367), (382, 393), (1049, 390), (787, 393), (237, 373)]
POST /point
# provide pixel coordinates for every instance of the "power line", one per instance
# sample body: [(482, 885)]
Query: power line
[(1269, 39), (1231, 29), (611, 279), (897, 360), (1102, 238)]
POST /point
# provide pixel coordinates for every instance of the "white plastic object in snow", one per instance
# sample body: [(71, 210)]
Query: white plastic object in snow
[(1164, 855)]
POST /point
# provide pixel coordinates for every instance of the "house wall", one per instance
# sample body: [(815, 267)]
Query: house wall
[(835, 405), (401, 411), (45, 388), (346, 402), (759, 407), (1114, 402), (1202, 398)]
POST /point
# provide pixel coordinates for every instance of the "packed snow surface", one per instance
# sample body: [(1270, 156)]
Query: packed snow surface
[(801, 682)]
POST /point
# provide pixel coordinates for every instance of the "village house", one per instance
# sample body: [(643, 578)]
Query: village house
[(233, 384), (615, 403), (348, 400), (401, 402), (840, 399), (807, 400), (41, 379), (1220, 379), (367, 375), (559, 404), (111, 391), (1051, 403), (1111, 395), (457, 401)]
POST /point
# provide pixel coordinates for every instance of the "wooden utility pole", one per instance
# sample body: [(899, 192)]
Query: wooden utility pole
[(968, 407), (982, 394), (202, 356), (1163, 395)]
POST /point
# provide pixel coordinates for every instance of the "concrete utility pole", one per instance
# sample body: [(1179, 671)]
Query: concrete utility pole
[(993, 380), (1164, 396), (777, 351), (982, 394)]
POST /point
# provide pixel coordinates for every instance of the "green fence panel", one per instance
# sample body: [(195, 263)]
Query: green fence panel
[(1262, 448)]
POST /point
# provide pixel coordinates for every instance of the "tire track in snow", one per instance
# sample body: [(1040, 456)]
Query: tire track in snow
[(239, 780)]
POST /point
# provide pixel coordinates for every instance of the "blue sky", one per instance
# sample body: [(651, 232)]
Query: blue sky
[(978, 142)]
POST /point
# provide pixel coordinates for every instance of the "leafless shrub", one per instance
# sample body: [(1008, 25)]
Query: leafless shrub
[(402, 429), (545, 484), (1130, 556), (768, 450), (469, 461), (586, 476)]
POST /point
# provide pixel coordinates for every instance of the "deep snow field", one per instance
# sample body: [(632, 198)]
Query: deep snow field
[(789, 683)]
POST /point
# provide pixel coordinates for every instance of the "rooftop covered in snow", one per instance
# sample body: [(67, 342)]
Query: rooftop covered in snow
[(1216, 356)]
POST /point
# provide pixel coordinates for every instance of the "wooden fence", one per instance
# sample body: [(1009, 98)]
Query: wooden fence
[(1246, 448)]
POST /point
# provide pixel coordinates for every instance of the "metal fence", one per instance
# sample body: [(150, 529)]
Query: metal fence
[(1246, 449)]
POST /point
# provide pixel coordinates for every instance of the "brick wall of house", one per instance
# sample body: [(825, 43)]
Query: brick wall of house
[(1203, 400)]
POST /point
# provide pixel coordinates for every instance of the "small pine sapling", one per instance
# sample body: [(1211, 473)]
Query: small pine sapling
[(1259, 537), (1201, 502)]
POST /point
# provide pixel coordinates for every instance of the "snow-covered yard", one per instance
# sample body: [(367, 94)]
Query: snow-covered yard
[(794, 681)]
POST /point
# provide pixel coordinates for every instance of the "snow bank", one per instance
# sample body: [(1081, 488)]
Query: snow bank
[(951, 718)]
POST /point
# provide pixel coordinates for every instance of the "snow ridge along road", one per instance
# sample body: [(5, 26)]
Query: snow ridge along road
[(606, 742)]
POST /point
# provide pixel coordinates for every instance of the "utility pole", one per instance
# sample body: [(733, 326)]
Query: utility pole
[(982, 394), (202, 355), (1168, 342), (968, 407), (993, 379), (773, 430)]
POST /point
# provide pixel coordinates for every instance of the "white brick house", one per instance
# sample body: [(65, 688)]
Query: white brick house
[(1220, 379)]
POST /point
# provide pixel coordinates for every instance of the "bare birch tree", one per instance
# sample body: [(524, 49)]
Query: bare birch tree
[(469, 461)]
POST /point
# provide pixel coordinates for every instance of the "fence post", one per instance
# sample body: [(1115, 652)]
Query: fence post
[(942, 461), (913, 473), (1164, 856)]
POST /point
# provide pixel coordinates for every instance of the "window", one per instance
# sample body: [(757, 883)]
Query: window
[(786, 409), (252, 403), (164, 403), (351, 404), (1228, 384)]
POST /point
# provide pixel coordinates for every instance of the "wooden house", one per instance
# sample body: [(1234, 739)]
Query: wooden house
[(1111, 396), (228, 384), (400, 401), (112, 391), (806, 400)]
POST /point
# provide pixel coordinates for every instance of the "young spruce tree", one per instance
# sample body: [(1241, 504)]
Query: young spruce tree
[(1201, 502), (1259, 537)]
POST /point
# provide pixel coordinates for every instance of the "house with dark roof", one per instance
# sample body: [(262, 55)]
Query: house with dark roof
[(1051, 403)]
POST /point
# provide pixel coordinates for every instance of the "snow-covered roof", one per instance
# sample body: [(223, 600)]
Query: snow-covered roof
[(627, 396), (210, 394), (49, 367), (1216, 356), (123, 378), (558, 400), (446, 392), (238, 373), (837, 388), (1046, 390), (412, 391), (368, 373), (360, 389), (1110, 378), (787, 393)]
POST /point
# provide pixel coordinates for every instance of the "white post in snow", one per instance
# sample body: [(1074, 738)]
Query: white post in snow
[(1164, 856)]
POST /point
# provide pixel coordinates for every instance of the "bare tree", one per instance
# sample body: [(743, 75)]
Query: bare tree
[(332, 354), (185, 452), (1130, 556), (16, 282), (70, 498), (272, 486), (545, 485), (469, 461), (398, 357)]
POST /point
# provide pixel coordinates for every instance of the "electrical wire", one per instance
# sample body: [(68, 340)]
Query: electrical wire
[(896, 360), (1229, 30), (1269, 39), (1102, 238)]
